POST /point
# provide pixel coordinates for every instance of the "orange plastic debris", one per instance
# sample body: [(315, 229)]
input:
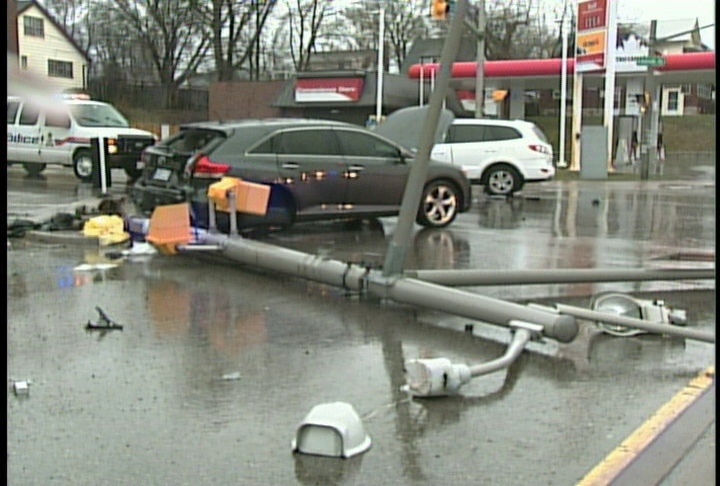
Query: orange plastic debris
[(169, 226)]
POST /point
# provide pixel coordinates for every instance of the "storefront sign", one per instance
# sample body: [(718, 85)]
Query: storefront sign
[(591, 36), (328, 89)]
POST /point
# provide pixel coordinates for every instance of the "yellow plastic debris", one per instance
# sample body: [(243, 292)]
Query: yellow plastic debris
[(109, 229), (218, 192), (250, 197)]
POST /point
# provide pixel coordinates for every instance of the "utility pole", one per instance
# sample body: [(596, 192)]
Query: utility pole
[(380, 66), (649, 155), (480, 69), (397, 250), (563, 90)]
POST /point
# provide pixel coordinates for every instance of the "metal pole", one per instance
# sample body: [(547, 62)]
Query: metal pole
[(576, 120), (520, 338), (422, 85), (395, 256), (232, 212), (648, 326), (381, 67), (556, 276), (480, 69), (648, 155), (462, 303), (103, 168), (563, 95), (609, 111)]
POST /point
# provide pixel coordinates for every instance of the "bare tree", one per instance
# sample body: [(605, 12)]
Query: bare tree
[(515, 29), (405, 20), (113, 46), (170, 34), (236, 28), (302, 22)]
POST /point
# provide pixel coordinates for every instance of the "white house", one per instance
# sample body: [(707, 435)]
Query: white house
[(677, 36), (47, 51)]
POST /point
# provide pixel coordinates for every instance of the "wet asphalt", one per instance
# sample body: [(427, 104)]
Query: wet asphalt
[(216, 364)]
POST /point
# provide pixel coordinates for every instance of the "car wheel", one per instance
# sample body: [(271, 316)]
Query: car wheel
[(34, 169), (83, 165), (502, 180), (439, 204)]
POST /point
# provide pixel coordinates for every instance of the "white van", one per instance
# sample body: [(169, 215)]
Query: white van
[(42, 133)]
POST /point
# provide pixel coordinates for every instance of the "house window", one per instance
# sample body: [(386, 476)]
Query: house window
[(686, 88), (704, 91), (23, 62), (34, 26), (672, 103), (60, 69)]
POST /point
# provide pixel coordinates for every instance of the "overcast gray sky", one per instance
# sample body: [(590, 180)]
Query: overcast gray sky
[(647, 10)]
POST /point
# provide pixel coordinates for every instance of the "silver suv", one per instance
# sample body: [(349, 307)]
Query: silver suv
[(501, 155)]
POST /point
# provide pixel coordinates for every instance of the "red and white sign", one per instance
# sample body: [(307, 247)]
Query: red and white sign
[(591, 37), (592, 15), (328, 89)]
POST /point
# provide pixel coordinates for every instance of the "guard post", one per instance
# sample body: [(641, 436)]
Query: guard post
[(101, 174)]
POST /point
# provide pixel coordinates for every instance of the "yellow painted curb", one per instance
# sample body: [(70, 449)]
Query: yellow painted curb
[(615, 462)]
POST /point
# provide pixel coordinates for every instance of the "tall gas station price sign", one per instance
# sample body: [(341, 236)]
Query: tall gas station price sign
[(592, 35)]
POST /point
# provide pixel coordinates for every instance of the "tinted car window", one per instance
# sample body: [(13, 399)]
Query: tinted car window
[(12, 108), (29, 115), (190, 141), (539, 133), (98, 115), (501, 133), (356, 144), (57, 119), (466, 134), (305, 142), (254, 140)]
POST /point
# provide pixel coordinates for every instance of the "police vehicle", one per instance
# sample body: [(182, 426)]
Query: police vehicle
[(59, 132)]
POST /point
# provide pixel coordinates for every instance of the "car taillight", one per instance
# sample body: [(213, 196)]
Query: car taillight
[(539, 148), (206, 168)]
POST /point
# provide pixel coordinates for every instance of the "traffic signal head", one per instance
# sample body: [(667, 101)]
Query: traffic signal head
[(499, 94), (439, 9), (643, 101)]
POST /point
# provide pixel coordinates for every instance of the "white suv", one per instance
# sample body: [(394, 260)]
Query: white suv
[(41, 132), (501, 155)]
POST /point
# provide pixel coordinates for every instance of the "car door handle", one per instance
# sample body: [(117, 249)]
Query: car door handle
[(290, 165), (357, 168)]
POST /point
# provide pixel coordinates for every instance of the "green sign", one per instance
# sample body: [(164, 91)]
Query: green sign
[(650, 61)]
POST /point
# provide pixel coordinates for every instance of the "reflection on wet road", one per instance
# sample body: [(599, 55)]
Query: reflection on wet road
[(216, 365)]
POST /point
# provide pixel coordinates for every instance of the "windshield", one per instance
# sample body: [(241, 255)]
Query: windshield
[(98, 115)]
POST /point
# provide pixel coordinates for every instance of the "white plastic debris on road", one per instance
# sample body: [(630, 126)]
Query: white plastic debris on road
[(89, 267), (140, 249), (21, 387)]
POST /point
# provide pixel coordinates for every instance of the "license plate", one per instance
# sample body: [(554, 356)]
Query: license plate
[(162, 174)]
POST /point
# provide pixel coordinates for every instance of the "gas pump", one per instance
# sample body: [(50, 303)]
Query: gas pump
[(627, 148)]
